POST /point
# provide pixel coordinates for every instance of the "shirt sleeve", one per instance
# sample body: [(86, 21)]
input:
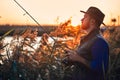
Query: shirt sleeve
[(100, 55)]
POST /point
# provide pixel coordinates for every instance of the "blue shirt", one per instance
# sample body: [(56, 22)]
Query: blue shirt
[(99, 51), (100, 58)]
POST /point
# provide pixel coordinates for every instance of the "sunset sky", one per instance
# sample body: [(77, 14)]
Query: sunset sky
[(48, 11)]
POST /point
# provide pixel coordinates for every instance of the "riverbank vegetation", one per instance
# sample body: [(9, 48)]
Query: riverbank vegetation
[(25, 58)]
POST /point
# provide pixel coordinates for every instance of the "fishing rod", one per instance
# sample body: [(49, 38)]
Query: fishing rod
[(32, 17), (35, 20), (64, 60)]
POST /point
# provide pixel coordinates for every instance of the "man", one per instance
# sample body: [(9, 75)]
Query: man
[(91, 57)]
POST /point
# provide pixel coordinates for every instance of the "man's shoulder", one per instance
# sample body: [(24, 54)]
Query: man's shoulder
[(100, 40)]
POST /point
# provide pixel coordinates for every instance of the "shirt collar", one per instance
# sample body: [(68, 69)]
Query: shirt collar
[(90, 35)]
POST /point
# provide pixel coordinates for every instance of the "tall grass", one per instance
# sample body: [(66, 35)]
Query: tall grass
[(112, 35), (26, 58)]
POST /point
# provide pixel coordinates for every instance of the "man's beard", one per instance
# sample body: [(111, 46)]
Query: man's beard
[(84, 27)]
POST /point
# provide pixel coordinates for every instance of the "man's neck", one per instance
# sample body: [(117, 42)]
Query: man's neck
[(90, 29)]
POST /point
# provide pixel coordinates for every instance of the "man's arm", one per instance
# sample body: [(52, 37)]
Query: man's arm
[(99, 52), (74, 56)]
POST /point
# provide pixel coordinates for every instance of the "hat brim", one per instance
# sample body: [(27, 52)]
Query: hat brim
[(82, 11), (104, 24)]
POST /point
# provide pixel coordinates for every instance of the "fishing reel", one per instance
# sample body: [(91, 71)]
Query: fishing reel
[(66, 61)]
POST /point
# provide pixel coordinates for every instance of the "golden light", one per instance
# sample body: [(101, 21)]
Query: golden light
[(74, 24), (75, 21)]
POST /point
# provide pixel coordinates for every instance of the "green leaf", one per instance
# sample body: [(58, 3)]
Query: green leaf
[(7, 33)]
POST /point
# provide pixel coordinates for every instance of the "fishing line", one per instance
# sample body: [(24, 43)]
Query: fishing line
[(32, 17), (35, 21)]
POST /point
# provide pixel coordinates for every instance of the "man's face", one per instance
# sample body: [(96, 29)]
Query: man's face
[(85, 22)]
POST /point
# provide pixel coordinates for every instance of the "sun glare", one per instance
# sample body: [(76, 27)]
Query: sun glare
[(75, 21)]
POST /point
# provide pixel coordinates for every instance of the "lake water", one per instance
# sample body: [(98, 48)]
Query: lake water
[(37, 42), (8, 39)]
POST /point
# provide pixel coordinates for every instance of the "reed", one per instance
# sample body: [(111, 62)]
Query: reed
[(25, 58)]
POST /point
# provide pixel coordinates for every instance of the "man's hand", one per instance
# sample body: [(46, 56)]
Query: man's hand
[(74, 56)]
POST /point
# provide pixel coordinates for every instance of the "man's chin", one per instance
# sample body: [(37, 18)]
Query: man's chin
[(84, 28)]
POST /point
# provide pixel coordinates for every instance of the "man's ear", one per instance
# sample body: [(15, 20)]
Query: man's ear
[(92, 21)]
